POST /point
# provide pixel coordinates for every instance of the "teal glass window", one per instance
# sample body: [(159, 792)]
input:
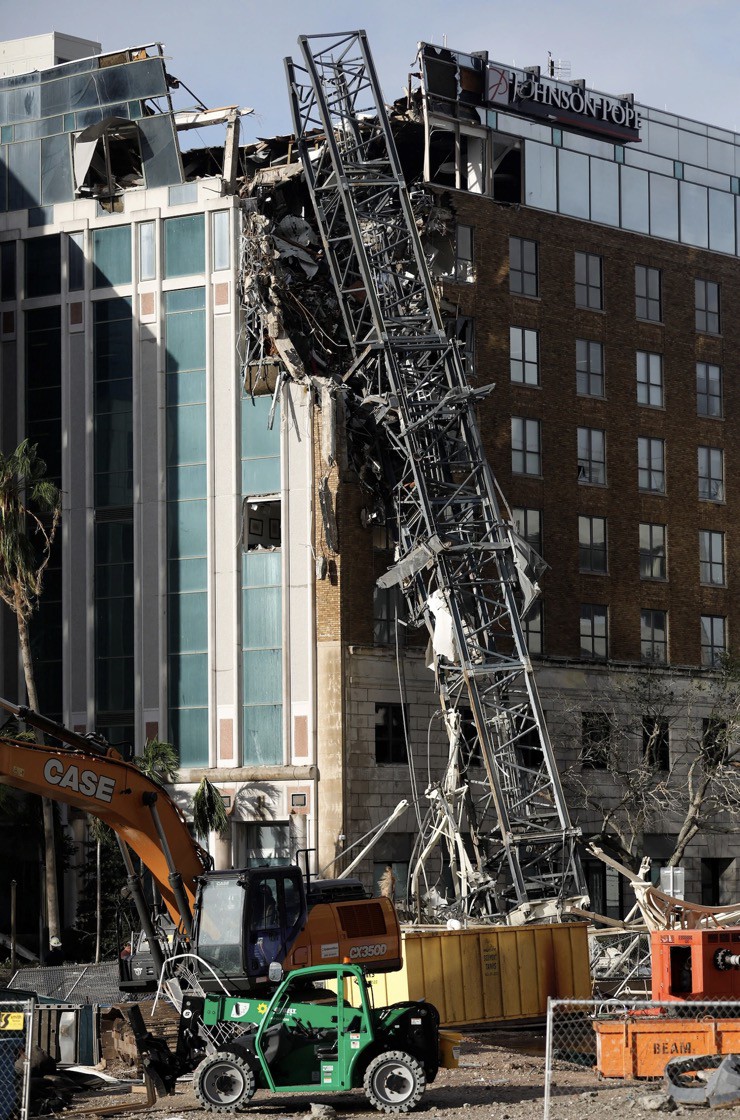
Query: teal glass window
[(187, 540), (111, 251), (260, 447), (262, 680), (184, 246)]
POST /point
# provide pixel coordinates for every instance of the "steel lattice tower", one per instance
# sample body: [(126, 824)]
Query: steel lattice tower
[(458, 559)]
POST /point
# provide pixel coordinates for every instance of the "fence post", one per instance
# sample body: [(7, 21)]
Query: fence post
[(548, 1059)]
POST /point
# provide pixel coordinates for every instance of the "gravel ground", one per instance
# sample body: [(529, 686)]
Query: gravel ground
[(501, 1076)]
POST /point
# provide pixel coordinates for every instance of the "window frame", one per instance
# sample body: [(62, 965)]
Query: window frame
[(651, 443), (712, 558), (520, 269), (525, 336), (712, 481), (464, 265), (521, 517), (650, 553), (590, 289), (396, 757), (586, 373), (596, 734), (653, 621), (702, 312), (589, 635), (649, 386), (588, 460), (589, 552), (647, 278), (656, 743), (704, 395), (529, 425), (716, 651)]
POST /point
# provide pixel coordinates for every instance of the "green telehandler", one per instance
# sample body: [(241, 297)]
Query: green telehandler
[(319, 1033)]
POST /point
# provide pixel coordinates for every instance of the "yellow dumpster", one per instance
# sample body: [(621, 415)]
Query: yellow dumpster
[(489, 974)]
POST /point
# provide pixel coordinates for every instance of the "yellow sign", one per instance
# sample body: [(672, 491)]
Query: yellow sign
[(11, 1020)]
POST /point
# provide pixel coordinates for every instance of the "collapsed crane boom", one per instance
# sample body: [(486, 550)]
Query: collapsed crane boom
[(459, 562)]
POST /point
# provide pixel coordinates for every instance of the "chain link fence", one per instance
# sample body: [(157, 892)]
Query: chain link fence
[(599, 1046), (16, 1020), (620, 963)]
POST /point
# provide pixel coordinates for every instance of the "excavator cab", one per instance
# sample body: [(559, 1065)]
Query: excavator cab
[(245, 920)]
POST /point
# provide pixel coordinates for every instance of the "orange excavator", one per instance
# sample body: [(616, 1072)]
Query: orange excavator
[(235, 922)]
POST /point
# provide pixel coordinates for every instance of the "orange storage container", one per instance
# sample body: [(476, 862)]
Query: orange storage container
[(642, 1048)]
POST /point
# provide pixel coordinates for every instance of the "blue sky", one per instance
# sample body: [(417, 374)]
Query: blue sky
[(674, 54)]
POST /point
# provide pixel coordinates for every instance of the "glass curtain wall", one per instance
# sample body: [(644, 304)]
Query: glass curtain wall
[(187, 599), (262, 654), (114, 530)]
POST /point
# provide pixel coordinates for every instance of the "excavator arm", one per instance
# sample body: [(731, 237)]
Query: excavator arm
[(98, 781)]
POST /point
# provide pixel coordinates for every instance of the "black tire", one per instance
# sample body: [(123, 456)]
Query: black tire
[(224, 1082), (394, 1082)]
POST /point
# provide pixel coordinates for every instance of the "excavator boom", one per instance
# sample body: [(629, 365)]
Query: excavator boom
[(139, 811)]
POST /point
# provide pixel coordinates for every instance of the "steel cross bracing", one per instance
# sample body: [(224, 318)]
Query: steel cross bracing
[(457, 556)]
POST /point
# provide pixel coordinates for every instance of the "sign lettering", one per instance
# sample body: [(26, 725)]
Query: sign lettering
[(558, 103), (86, 782)]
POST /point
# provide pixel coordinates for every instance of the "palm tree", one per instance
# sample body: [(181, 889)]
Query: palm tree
[(30, 508)]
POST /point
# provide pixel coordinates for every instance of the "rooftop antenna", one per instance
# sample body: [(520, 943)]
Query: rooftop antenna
[(558, 68)]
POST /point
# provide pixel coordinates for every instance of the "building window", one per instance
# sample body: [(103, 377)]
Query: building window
[(532, 627), (147, 251), (647, 293), (528, 524), (717, 881), (390, 735), (389, 615), (592, 544), (7, 271), (76, 262), (221, 240), (43, 270), (653, 636), (652, 551), (593, 632), (589, 288), (715, 748), (464, 273), (651, 464), (523, 279), (524, 356), (708, 389), (592, 456), (650, 379), (711, 474), (111, 248), (595, 740), (526, 456), (706, 302), (589, 368), (712, 557), (656, 743), (184, 246), (713, 646)]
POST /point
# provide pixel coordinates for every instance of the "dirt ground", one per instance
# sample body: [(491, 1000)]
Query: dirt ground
[(501, 1076)]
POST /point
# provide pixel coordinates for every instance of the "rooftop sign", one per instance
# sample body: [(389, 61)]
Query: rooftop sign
[(571, 105)]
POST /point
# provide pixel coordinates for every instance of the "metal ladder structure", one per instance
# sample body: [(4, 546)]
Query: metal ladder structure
[(506, 834)]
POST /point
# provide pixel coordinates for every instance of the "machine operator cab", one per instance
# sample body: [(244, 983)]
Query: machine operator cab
[(246, 920)]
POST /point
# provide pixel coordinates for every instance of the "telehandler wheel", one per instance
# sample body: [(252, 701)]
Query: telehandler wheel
[(224, 1082), (394, 1082)]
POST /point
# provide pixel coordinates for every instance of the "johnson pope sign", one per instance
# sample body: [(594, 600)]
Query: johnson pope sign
[(560, 103)]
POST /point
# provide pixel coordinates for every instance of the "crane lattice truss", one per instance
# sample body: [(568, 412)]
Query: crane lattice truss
[(458, 560)]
